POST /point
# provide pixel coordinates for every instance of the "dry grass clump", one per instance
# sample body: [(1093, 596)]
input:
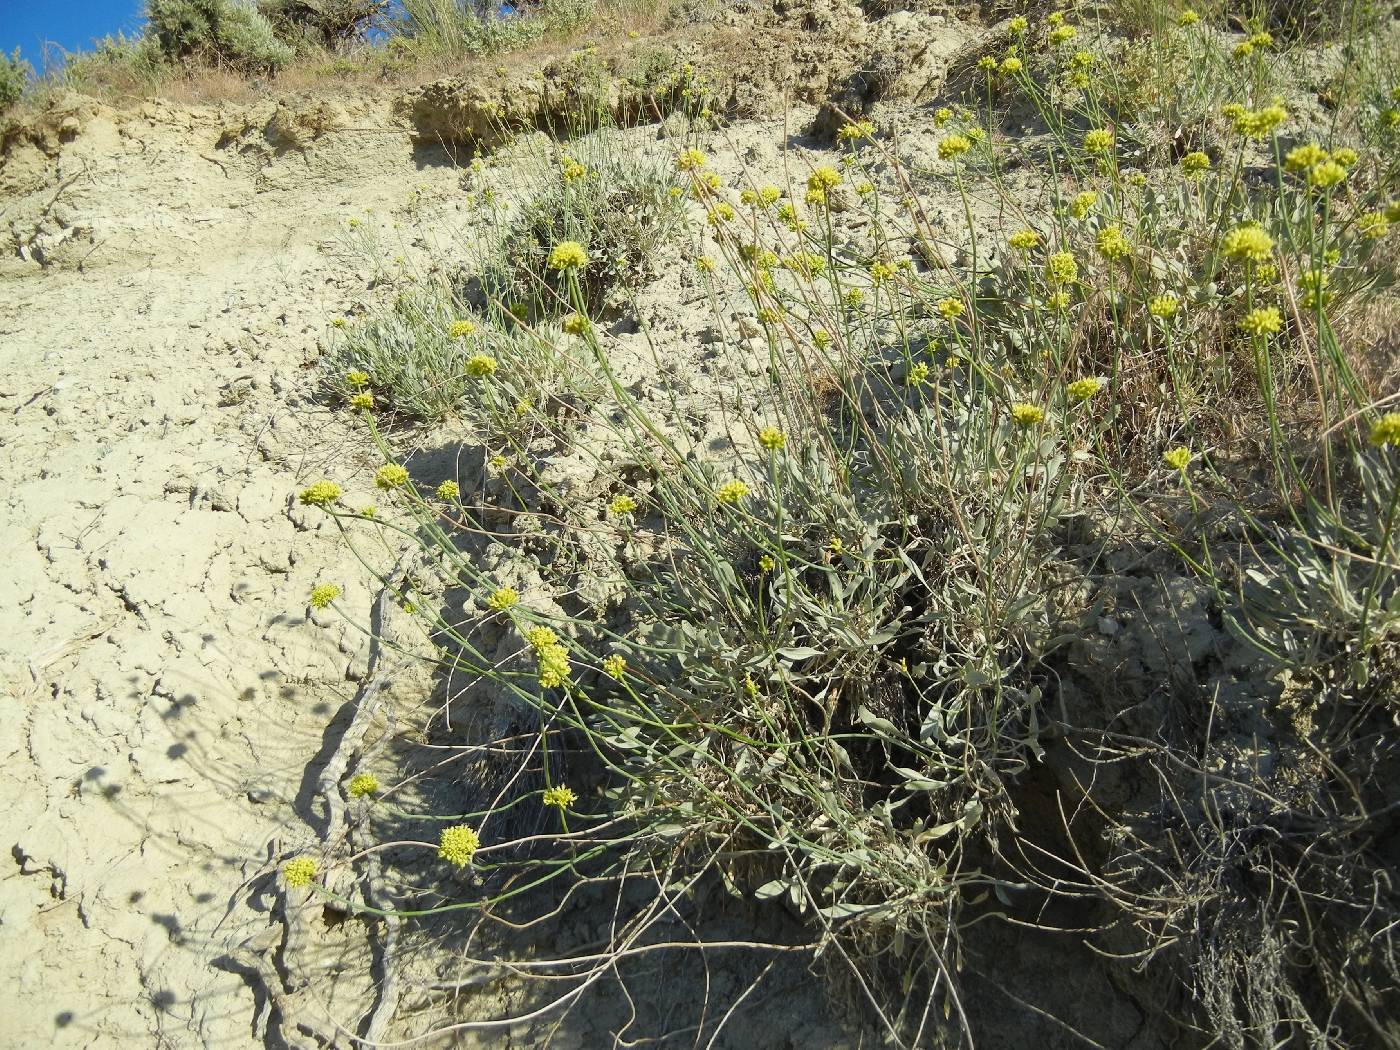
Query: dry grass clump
[(813, 622)]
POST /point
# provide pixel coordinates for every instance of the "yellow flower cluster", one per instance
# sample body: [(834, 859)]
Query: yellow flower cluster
[(320, 494), (856, 129), (1254, 123), (1188, 18), (1248, 244), (460, 329), (1083, 389), (1061, 35), (1027, 415), (363, 784), (1112, 244), (503, 598), (364, 400), (731, 492), (558, 797), (448, 490), (918, 374), (1373, 225), (1262, 321), (299, 872), (1099, 140), (615, 666), (480, 366), (1313, 286), (357, 378), (1083, 203), (1386, 430), (1061, 268), (458, 844), (691, 160), (391, 476), (953, 146), (1163, 306), (1195, 163), (553, 668), (323, 594), (950, 308), (1178, 458), (1023, 240), (772, 439), (568, 255)]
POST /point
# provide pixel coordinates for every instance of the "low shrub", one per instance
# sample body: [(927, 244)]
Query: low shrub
[(15, 75), (222, 32)]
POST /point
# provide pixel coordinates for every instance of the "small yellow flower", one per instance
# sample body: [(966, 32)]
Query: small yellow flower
[(772, 438), (1011, 65), (1023, 240), (553, 670), (300, 871), (448, 490), (1188, 18), (558, 797), (1061, 35), (460, 329), (323, 594), (568, 255), (767, 563), (1244, 49), (1249, 244), (1083, 389), (950, 308), (1301, 158), (987, 63), (1100, 140), (1163, 306), (576, 324), (1195, 163), (339, 322), (731, 492), (458, 844), (1313, 286), (1112, 244), (1057, 301), (941, 116), (722, 212), (320, 494), (705, 264), (1262, 321), (918, 374), (853, 297), (953, 147), (1346, 156), (1017, 25), (821, 338), (364, 784), (391, 476), (1386, 430), (622, 504), (1262, 40), (541, 638), (1083, 203), (357, 379), (1027, 415), (363, 400), (691, 160), (1373, 225), (503, 598), (1061, 268), (856, 129), (824, 178), (1177, 458), (480, 366), (615, 666)]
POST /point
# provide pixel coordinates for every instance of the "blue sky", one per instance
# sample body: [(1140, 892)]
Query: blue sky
[(71, 24)]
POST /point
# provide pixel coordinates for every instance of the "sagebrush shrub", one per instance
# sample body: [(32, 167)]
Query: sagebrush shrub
[(327, 23), (15, 74), (226, 32)]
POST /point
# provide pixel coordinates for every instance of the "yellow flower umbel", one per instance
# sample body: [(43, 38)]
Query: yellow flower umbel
[(568, 255), (458, 844), (1083, 389), (622, 504), (1061, 268), (1100, 140), (1195, 164), (323, 594), (1010, 65), (1061, 35), (481, 366), (1386, 430), (772, 438), (731, 492), (1248, 244), (1177, 458), (691, 160), (299, 872), (615, 666), (357, 378), (553, 665), (364, 784), (558, 797), (391, 476), (1083, 203), (1301, 158), (364, 401), (1112, 244), (1023, 240), (824, 179), (1188, 18), (950, 308), (503, 598), (1163, 306), (1027, 415), (460, 329), (1262, 321), (320, 494), (1373, 225), (953, 147), (448, 490)]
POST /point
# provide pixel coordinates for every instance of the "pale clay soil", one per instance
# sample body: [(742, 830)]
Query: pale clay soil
[(168, 691)]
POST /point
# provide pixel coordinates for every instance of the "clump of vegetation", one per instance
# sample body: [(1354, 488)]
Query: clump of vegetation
[(813, 620), (323, 23), (438, 27), (15, 74), (221, 32)]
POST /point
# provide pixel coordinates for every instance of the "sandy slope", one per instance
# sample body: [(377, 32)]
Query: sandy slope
[(166, 688)]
